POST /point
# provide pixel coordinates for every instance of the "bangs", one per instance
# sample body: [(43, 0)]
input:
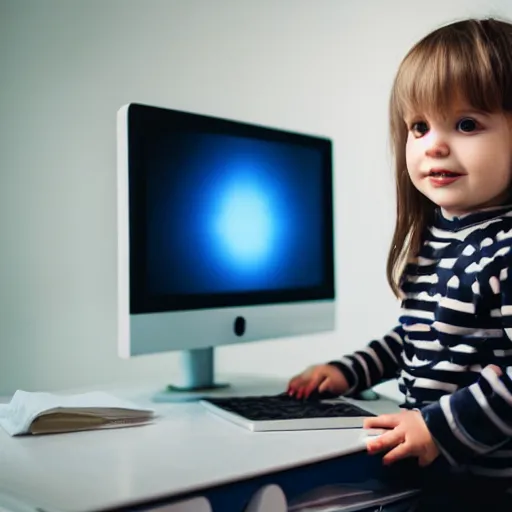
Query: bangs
[(451, 65)]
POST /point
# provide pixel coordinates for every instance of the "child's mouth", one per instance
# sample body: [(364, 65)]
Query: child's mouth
[(442, 173), (442, 177)]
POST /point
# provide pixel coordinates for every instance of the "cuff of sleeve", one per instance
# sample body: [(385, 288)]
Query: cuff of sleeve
[(457, 425), (440, 431), (348, 373)]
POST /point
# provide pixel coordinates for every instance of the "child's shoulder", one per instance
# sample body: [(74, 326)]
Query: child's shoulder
[(493, 244), (500, 229)]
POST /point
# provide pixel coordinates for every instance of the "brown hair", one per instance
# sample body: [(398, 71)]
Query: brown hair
[(470, 58)]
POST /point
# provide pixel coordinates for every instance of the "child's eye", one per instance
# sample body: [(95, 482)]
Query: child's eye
[(467, 125), (419, 128)]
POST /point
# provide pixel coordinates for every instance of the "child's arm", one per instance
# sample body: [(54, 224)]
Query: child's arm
[(477, 419), (379, 360)]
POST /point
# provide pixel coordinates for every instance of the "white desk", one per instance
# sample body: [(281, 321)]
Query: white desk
[(186, 450)]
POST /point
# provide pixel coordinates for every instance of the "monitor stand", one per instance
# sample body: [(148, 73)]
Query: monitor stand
[(197, 368)]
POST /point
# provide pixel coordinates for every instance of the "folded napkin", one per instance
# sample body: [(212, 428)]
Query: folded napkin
[(47, 413)]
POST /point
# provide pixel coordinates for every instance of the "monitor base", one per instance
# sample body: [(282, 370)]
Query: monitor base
[(175, 394), (197, 367)]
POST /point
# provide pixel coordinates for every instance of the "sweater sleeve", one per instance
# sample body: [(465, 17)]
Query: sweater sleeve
[(477, 419), (379, 360)]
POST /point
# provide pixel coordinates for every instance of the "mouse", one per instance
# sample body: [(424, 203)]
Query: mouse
[(367, 395)]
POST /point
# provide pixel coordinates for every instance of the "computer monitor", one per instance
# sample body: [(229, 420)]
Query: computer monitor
[(225, 235)]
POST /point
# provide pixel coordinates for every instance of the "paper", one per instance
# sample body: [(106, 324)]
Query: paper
[(39, 413)]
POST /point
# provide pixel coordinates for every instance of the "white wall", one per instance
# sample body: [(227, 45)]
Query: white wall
[(66, 67)]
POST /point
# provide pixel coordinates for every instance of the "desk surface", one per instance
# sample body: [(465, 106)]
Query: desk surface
[(185, 449)]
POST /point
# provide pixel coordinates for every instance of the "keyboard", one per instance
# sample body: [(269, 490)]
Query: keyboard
[(282, 412)]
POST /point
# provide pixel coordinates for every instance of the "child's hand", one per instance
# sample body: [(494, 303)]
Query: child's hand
[(323, 377), (408, 437)]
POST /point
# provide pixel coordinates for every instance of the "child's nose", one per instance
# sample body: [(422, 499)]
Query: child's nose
[(437, 146)]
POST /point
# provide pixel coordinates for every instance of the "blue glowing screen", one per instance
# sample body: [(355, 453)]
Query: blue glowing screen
[(228, 214)]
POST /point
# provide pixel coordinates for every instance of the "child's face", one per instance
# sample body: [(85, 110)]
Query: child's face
[(461, 161)]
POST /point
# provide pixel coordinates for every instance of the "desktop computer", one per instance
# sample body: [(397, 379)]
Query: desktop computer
[(225, 235)]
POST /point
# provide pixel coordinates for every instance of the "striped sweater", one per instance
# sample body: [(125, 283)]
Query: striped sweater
[(456, 319)]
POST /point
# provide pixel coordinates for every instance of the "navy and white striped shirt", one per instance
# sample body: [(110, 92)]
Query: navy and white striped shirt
[(456, 319)]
